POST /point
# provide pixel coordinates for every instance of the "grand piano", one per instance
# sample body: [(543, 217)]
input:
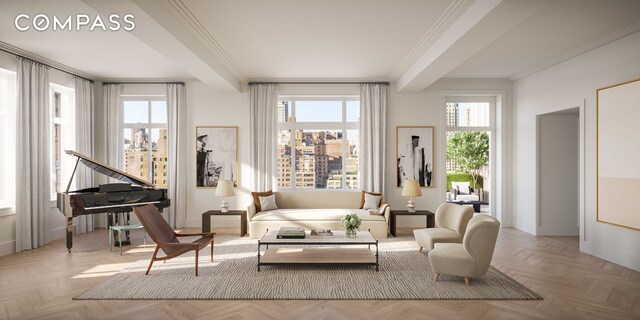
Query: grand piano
[(111, 197)]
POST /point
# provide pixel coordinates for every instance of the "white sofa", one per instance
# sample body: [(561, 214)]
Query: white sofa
[(316, 210)]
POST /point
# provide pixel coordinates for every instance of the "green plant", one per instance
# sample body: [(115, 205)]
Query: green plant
[(351, 221), (470, 150), (463, 177)]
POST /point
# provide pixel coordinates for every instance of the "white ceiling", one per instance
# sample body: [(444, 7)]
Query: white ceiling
[(414, 42)]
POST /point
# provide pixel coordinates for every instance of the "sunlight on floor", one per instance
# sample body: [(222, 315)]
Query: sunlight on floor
[(102, 270)]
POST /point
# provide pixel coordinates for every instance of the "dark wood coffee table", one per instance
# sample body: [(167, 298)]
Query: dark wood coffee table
[(476, 204)]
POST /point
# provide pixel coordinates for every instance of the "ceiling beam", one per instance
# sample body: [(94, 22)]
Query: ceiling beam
[(159, 26), (483, 22)]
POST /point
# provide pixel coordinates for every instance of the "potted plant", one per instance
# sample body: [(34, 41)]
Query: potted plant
[(351, 223)]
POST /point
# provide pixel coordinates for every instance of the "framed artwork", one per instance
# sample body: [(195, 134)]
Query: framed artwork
[(618, 155), (414, 155), (216, 156)]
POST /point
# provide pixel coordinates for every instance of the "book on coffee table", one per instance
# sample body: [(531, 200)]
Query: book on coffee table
[(291, 233), (321, 233)]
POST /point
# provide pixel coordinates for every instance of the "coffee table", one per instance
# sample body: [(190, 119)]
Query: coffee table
[(307, 251), (476, 204)]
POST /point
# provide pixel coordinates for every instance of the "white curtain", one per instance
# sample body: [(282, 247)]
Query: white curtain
[(33, 161), (112, 141), (263, 103), (84, 144), (176, 106), (374, 100)]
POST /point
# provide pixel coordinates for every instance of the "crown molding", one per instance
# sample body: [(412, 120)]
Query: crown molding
[(451, 14), (580, 50), (29, 55), (207, 38)]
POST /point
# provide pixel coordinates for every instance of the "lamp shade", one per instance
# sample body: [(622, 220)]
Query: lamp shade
[(411, 188), (225, 188)]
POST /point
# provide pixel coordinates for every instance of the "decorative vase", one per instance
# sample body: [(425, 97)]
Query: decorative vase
[(350, 233)]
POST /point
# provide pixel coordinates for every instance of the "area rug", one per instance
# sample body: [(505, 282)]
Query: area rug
[(404, 274)]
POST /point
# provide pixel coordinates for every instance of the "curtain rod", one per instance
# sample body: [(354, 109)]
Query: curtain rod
[(48, 65), (362, 82), (158, 82)]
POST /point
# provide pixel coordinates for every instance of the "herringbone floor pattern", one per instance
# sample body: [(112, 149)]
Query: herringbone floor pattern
[(39, 284)]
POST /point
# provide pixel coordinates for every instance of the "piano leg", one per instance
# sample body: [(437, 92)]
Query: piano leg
[(69, 234)]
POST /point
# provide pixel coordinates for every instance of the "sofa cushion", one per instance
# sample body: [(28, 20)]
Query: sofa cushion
[(313, 215), (256, 198), (371, 201), (371, 193), (268, 203)]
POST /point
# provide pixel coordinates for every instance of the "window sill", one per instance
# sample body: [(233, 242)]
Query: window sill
[(7, 211)]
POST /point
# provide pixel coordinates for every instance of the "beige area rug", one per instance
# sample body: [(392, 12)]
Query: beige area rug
[(404, 274)]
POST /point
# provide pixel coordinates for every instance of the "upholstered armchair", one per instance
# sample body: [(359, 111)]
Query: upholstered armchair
[(463, 191), (167, 239), (451, 223), (472, 257)]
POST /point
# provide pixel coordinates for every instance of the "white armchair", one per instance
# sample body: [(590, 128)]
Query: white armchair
[(472, 257), (451, 223)]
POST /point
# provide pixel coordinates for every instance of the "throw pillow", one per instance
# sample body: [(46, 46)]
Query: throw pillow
[(256, 199), (268, 203), (371, 201), (371, 193)]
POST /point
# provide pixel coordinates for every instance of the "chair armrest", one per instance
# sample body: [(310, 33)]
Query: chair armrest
[(195, 234), (178, 244)]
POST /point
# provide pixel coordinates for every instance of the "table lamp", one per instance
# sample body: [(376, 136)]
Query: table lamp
[(225, 189), (411, 189)]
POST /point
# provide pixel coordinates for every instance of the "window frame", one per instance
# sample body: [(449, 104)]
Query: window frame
[(138, 125), (67, 123), (342, 126), (8, 109)]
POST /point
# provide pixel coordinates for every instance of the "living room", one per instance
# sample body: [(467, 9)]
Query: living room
[(529, 59)]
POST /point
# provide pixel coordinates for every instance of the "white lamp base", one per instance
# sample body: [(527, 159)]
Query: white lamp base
[(224, 205), (411, 205)]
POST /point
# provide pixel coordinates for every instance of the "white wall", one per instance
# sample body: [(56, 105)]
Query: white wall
[(558, 88), (558, 156)]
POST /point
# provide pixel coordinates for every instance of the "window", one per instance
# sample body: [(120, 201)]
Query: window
[(7, 137), (62, 109), (318, 143), (145, 140), (470, 137)]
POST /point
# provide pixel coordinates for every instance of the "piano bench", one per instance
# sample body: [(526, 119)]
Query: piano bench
[(119, 229)]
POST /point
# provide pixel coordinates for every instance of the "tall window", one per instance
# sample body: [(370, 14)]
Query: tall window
[(7, 137), (146, 138), (318, 143), (62, 108), (470, 136)]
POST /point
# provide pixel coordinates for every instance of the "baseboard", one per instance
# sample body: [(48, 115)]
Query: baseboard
[(525, 227), (7, 247), (625, 259), (58, 233), (558, 231)]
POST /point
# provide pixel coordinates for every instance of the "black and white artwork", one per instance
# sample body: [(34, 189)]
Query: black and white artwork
[(216, 156), (414, 154)]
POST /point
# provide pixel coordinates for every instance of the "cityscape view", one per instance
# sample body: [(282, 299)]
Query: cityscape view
[(143, 147), (316, 158)]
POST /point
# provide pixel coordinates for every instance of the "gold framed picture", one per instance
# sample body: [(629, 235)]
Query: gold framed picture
[(216, 155)]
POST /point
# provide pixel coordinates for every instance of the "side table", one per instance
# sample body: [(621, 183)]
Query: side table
[(206, 219), (429, 217)]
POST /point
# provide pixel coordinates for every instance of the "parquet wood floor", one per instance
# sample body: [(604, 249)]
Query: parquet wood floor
[(39, 284)]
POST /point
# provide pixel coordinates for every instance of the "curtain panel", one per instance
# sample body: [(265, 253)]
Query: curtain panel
[(111, 103), (374, 101), (176, 106), (263, 103), (33, 161), (84, 125)]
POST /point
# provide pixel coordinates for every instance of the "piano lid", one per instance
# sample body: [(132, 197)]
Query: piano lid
[(108, 170)]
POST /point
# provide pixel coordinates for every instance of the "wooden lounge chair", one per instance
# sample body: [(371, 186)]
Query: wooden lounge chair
[(167, 239)]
